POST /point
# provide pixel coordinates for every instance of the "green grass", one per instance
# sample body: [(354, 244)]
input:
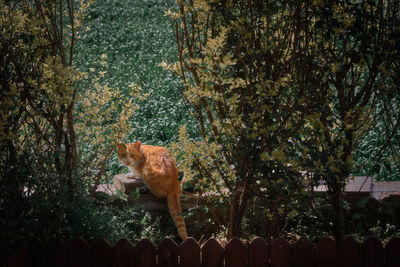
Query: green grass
[(137, 37)]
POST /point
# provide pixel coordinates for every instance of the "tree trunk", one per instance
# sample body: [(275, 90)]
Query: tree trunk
[(338, 224), (70, 151), (238, 208)]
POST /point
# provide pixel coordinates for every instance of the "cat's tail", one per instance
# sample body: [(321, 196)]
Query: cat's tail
[(176, 213)]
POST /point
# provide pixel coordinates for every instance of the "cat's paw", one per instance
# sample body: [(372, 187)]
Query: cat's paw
[(131, 176)]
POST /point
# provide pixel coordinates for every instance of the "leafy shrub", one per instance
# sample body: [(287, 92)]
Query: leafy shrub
[(38, 205), (43, 180)]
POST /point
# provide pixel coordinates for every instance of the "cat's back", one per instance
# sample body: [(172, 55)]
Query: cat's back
[(160, 171), (159, 155), (154, 151)]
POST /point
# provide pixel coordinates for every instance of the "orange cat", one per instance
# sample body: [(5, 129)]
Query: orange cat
[(158, 170)]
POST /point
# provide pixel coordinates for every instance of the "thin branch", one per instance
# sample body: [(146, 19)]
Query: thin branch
[(102, 168)]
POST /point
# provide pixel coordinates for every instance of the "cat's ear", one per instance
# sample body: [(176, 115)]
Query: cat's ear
[(137, 145)]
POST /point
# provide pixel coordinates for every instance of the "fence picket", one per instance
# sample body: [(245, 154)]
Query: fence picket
[(372, 252), (235, 253), (281, 254), (36, 255), (124, 254), (392, 251), (145, 253), (57, 254), (101, 253), (19, 259), (79, 253), (212, 254), (303, 253), (350, 253), (258, 253), (168, 252), (190, 253), (325, 253)]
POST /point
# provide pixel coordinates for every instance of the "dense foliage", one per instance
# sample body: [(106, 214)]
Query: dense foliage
[(235, 65), (59, 127), (284, 92), (350, 68)]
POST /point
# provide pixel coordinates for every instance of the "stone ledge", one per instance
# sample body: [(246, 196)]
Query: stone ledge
[(126, 184), (109, 189), (147, 200)]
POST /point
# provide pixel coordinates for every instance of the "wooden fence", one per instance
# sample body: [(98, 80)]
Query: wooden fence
[(257, 253)]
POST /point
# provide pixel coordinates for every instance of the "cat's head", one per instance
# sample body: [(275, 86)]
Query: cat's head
[(130, 153)]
